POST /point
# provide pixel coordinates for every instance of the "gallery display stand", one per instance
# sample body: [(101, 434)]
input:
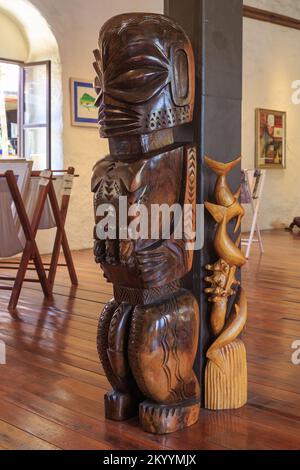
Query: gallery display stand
[(25, 209), (254, 181)]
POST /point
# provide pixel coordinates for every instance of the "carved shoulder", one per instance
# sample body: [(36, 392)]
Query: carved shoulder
[(98, 172)]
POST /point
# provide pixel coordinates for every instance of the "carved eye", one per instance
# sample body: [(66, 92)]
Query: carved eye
[(141, 73), (181, 77), (180, 81)]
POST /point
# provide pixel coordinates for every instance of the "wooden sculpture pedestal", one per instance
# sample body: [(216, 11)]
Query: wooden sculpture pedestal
[(164, 419), (226, 388)]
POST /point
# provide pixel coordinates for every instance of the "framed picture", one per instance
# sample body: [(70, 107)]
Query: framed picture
[(270, 139), (83, 97)]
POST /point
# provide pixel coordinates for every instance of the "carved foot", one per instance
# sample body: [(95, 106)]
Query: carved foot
[(120, 406), (164, 419), (226, 384)]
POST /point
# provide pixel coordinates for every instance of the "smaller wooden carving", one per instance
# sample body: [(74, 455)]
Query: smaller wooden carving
[(226, 369)]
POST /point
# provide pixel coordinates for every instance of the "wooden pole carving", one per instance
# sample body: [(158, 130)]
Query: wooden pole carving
[(226, 369), (148, 334)]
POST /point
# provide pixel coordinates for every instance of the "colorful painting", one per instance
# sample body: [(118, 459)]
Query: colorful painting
[(270, 139), (83, 97)]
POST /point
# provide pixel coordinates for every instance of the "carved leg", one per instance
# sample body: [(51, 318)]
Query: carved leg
[(162, 349), (112, 342)]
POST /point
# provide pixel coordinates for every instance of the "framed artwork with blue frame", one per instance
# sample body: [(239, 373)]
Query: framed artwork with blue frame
[(83, 97)]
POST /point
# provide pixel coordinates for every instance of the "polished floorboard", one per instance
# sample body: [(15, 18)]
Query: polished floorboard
[(52, 386)]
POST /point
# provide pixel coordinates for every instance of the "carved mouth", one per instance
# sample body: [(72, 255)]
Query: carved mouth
[(114, 120)]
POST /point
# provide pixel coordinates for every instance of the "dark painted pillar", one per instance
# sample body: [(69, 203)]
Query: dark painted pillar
[(215, 29)]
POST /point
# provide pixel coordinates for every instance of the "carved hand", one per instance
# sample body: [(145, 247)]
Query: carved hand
[(162, 264)]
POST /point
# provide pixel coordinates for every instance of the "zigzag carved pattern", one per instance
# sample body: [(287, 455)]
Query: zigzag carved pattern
[(109, 187), (171, 310), (114, 324), (190, 198), (174, 349), (133, 350), (190, 194), (166, 350), (169, 318), (168, 117), (102, 340), (143, 296)]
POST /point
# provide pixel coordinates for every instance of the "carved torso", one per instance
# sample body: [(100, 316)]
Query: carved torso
[(145, 262)]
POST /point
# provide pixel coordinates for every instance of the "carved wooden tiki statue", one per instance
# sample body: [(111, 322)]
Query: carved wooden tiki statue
[(148, 334)]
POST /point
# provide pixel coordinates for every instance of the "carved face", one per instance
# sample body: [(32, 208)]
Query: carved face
[(145, 75)]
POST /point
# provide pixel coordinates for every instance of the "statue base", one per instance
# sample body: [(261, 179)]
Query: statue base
[(164, 419)]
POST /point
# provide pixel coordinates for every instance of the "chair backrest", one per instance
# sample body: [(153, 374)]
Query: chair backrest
[(22, 169), (12, 238), (47, 220), (62, 184), (11, 242)]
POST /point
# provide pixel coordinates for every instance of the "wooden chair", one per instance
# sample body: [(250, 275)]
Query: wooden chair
[(40, 210), (30, 250), (58, 201)]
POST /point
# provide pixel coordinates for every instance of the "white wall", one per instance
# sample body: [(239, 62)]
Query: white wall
[(13, 41), (25, 35), (40, 45), (270, 65)]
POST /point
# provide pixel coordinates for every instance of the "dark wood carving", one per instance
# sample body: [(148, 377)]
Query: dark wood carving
[(148, 334)]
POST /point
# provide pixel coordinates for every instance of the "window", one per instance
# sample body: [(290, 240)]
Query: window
[(9, 109), (25, 112)]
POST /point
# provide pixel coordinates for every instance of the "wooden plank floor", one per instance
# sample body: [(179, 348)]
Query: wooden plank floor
[(52, 387)]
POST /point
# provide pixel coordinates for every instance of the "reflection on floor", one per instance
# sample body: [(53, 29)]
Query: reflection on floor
[(51, 390)]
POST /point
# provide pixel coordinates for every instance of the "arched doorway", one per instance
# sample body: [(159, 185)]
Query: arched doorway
[(27, 41)]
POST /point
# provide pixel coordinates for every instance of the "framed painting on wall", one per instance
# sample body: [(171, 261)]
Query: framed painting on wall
[(270, 139), (83, 98)]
